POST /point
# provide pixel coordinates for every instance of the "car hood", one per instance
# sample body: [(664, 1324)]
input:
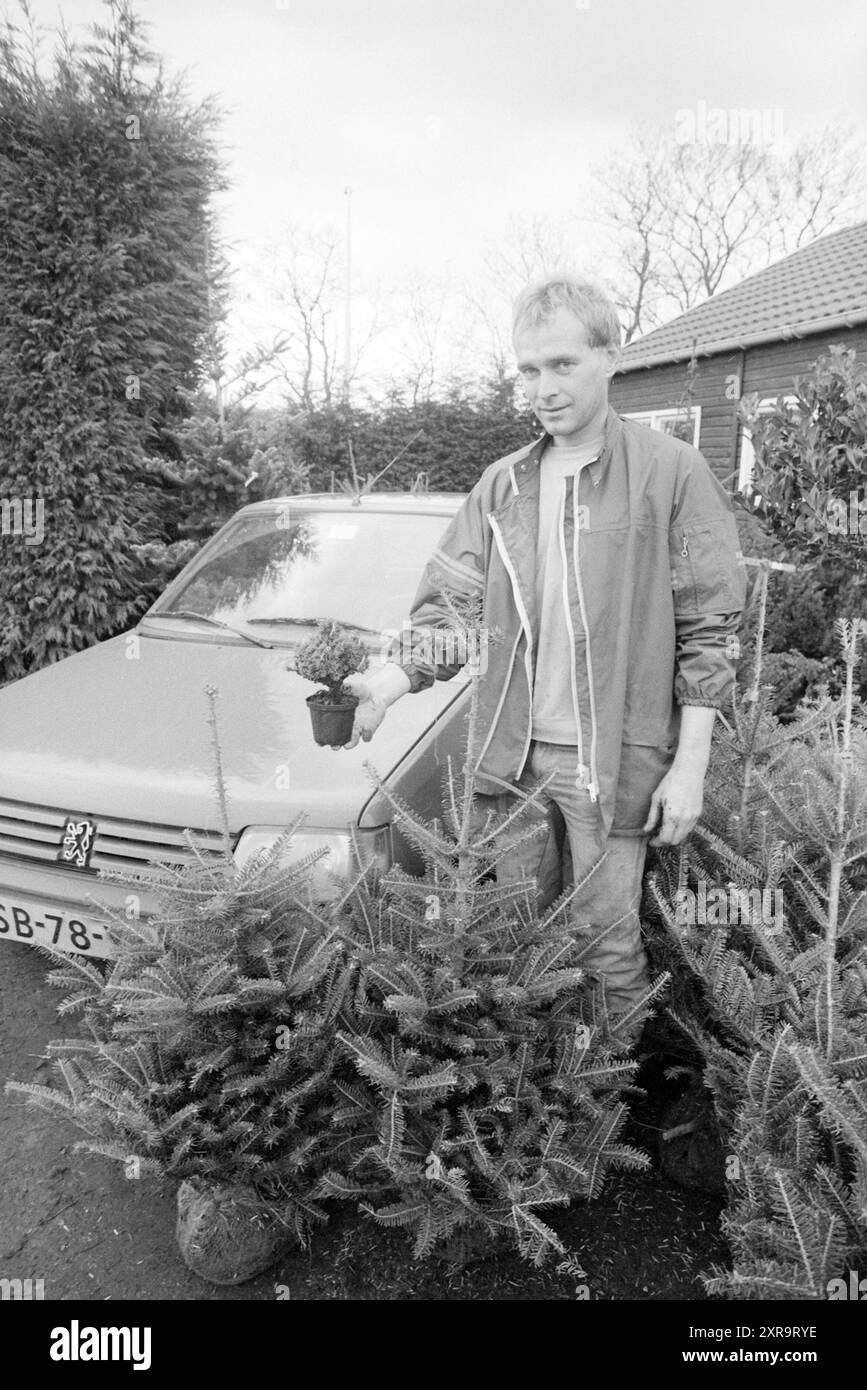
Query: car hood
[(123, 730)]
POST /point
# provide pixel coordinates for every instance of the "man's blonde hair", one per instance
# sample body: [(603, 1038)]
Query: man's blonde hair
[(541, 300)]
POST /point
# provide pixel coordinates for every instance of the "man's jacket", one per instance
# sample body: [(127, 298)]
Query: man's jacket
[(655, 585)]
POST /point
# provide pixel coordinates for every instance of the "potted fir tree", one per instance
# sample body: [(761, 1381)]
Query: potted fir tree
[(328, 657)]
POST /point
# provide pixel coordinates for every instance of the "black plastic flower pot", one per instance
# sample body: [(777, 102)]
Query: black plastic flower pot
[(332, 719)]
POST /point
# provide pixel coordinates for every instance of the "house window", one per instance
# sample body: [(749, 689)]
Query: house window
[(683, 423), (747, 460)]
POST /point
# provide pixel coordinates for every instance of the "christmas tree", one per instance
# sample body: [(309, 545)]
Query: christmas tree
[(491, 1080), (207, 1048), (770, 982)]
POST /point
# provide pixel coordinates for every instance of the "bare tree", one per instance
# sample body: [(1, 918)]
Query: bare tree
[(818, 187), (530, 247), (423, 305), (302, 274), (307, 287), (692, 218)]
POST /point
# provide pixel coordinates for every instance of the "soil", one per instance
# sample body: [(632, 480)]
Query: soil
[(89, 1232)]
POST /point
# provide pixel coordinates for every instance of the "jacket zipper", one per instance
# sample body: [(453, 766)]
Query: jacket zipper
[(593, 788), (684, 550), (500, 702), (561, 527), (528, 632)]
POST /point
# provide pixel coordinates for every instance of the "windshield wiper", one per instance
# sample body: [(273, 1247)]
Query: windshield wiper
[(212, 622), (314, 622)]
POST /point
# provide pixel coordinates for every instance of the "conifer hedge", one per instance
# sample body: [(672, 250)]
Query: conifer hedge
[(105, 175)]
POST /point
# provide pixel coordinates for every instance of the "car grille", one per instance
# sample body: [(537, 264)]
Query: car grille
[(35, 833)]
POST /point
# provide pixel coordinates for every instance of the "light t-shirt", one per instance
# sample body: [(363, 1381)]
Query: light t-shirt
[(553, 705)]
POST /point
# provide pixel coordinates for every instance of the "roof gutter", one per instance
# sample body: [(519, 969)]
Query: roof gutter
[(748, 340)]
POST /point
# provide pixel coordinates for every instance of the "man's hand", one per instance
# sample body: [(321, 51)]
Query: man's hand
[(369, 712), (678, 800), (375, 693)]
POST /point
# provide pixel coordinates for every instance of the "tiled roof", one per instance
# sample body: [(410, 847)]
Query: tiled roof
[(822, 286)]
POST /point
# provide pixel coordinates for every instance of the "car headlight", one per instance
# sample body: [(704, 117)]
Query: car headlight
[(343, 858)]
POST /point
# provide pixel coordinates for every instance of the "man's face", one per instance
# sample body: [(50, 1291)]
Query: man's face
[(565, 380)]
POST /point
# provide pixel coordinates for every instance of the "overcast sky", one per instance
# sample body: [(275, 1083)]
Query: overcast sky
[(445, 116)]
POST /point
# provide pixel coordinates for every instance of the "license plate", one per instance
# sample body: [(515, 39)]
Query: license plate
[(26, 920)]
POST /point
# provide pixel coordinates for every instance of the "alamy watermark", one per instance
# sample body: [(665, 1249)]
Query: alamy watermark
[(21, 1290), (23, 516), (716, 125), (434, 646), (77, 1343), (855, 1289), (847, 518), (716, 906)]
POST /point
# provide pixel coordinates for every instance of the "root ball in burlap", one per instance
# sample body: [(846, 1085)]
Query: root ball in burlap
[(222, 1236)]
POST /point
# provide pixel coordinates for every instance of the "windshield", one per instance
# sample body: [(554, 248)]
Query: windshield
[(360, 568)]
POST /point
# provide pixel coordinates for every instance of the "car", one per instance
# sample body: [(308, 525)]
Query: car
[(107, 758)]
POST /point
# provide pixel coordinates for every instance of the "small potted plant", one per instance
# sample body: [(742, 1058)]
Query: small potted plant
[(328, 657)]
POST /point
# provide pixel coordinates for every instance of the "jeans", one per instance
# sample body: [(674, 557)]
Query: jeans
[(605, 910)]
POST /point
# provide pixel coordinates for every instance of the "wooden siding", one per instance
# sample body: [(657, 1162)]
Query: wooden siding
[(773, 367), (664, 388), (766, 370)]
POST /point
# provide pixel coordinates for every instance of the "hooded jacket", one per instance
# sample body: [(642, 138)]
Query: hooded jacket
[(656, 588)]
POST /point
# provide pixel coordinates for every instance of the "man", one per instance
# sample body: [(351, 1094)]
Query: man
[(607, 559)]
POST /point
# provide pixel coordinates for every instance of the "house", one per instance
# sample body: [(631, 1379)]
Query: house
[(688, 376)]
